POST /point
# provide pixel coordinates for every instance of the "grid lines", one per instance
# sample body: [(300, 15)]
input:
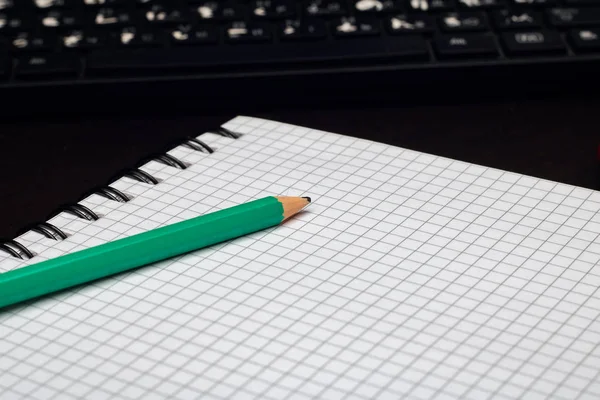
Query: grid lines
[(409, 276)]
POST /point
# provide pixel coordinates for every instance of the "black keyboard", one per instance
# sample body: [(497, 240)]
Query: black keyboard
[(147, 48)]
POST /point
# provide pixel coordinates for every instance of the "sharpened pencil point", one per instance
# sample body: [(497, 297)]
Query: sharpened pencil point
[(293, 205)]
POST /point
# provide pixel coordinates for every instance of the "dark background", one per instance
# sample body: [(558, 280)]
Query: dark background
[(50, 160)]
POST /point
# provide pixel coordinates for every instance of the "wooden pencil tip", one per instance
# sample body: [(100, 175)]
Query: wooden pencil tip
[(293, 205)]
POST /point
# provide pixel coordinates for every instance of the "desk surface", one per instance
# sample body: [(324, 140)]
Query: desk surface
[(45, 163)]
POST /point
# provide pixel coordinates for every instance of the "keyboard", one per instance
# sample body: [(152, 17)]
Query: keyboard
[(147, 48)]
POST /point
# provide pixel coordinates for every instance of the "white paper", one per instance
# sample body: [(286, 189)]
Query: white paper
[(409, 276)]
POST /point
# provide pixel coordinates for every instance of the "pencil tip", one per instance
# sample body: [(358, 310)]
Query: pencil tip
[(292, 205)]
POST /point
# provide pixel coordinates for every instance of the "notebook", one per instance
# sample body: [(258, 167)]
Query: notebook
[(409, 276)]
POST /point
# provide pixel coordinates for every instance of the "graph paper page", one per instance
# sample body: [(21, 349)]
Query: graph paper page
[(409, 276)]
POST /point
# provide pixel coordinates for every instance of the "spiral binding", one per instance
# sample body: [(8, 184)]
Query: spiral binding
[(50, 231), (141, 176), (198, 145), (171, 161), (81, 211)]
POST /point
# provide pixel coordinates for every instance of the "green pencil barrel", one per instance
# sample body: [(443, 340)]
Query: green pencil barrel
[(138, 250)]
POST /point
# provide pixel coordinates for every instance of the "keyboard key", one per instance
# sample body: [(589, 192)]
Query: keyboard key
[(584, 40), (505, 19), (466, 45), (83, 40), (11, 23), (61, 19), (325, 8), (7, 4), (43, 4), (582, 2), (219, 11), (25, 41), (133, 37), (112, 17), (431, 5), (273, 8), (531, 42), (476, 4), (535, 3), (305, 29), (405, 48), (377, 6), (572, 17), (355, 26), (44, 66), (161, 14), (188, 34), (404, 24), (459, 22), (106, 3), (242, 32)]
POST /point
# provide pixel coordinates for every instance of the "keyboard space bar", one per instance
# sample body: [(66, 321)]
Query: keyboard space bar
[(292, 54)]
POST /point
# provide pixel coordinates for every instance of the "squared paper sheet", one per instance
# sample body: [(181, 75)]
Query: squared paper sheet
[(409, 276)]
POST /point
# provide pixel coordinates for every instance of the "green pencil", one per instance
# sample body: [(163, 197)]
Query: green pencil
[(144, 248)]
